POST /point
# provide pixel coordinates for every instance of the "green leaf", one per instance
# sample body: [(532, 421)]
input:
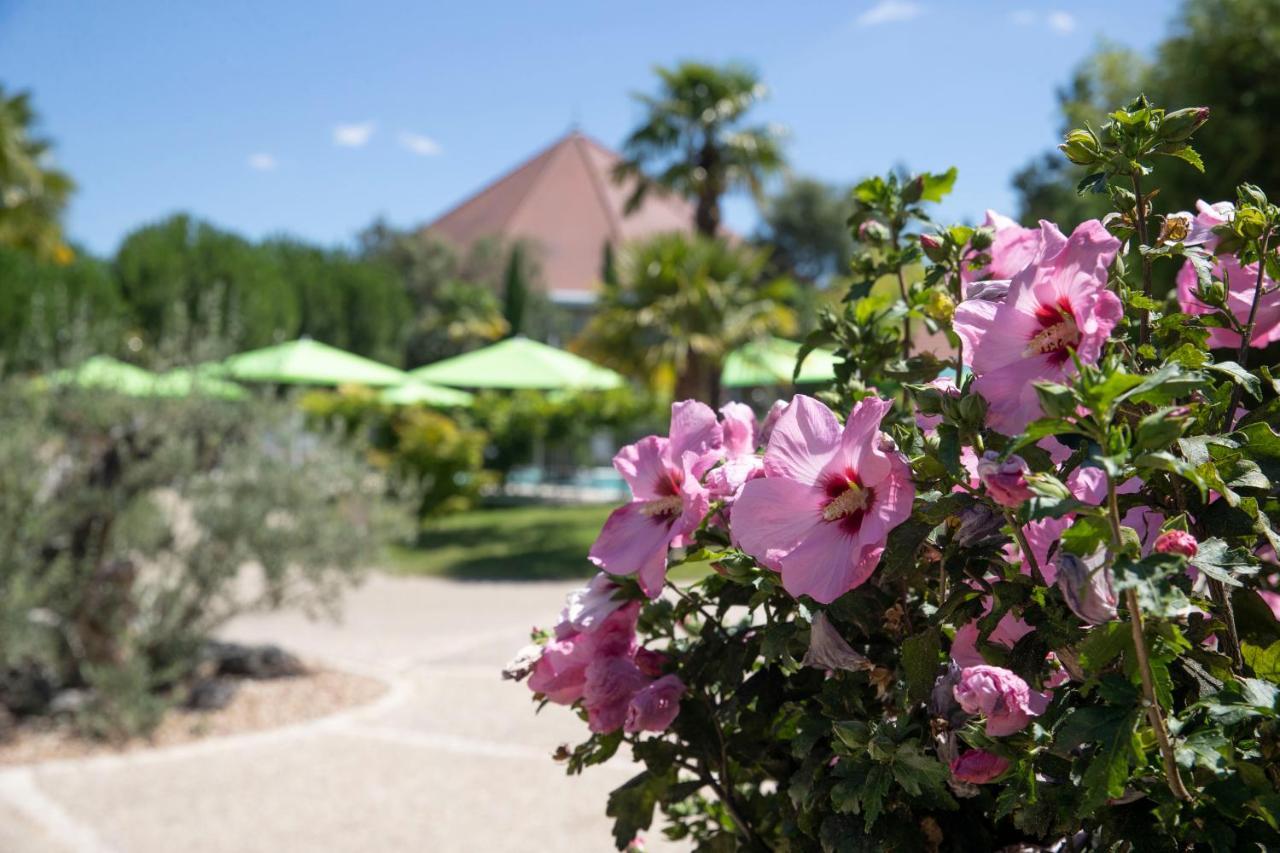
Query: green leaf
[(1222, 563), (1265, 663), (1240, 376), (938, 186), (631, 806), (1104, 644), (921, 655), (1155, 579), (1085, 536), (1187, 154)]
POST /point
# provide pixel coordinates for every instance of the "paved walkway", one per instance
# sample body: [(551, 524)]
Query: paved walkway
[(450, 759)]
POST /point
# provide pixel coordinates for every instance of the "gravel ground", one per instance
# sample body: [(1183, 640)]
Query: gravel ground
[(257, 705), (450, 759)]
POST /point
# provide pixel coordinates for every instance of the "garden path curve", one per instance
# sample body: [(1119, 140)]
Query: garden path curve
[(451, 758)]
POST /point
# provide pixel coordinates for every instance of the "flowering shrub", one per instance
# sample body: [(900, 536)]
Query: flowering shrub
[(1010, 591)]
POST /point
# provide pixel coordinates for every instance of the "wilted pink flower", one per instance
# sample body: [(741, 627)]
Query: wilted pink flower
[(561, 671), (1241, 281), (651, 662), (668, 500), (1207, 217), (1086, 586), (1005, 481), (656, 706), (1000, 695), (1058, 304), (1012, 249), (978, 767), (611, 683), (822, 512), (586, 608), (1177, 542), (828, 650), (741, 462)]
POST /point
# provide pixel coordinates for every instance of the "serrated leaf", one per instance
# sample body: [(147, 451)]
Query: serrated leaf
[(921, 655), (1265, 663), (1187, 154)]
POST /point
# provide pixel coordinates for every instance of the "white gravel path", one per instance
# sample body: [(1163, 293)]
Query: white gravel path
[(450, 759)]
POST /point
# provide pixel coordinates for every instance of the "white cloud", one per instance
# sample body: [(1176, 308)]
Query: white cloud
[(353, 135), (262, 162), (1062, 22), (1023, 17), (424, 146), (888, 12)]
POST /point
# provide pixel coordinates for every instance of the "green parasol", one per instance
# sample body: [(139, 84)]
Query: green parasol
[(106, 373), (414, 392), (519, 363), (187, 381), (308, 362), (772, 361)]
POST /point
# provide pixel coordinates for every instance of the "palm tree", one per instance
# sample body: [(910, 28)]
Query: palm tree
[(32, 195), (679, 305), (693, 142)]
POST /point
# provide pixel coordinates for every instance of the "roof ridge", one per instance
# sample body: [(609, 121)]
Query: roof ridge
[(503, 178), (551, 152), (615, 224)]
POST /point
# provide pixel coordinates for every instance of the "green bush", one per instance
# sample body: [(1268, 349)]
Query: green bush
[(131, 529)]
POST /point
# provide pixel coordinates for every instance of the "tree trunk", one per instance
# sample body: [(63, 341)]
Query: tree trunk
[(700, 380), (707, 215)]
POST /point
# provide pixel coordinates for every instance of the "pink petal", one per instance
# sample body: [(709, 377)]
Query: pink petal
[(772, 514), (644, 466), (739, 428), (861, 439), (694, 429), (805, 440), (972, 322), (827, 564), (632, 542), (1011, 397)]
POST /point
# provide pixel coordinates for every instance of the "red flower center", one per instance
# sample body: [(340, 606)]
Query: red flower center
[(1058, 333), (847, 500)]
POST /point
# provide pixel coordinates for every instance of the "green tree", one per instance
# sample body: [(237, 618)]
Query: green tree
[(805, 226), (32, 194), (694, 139), (1223, 54), (515, 291), (186, 281), (680, 305)]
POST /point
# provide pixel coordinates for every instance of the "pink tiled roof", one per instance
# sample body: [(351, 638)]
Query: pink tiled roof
[(565, 200)]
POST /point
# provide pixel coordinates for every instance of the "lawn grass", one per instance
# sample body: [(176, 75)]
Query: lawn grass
[(511, 543)]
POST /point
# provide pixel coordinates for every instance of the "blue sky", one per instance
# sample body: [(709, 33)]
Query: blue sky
[(314, 117)]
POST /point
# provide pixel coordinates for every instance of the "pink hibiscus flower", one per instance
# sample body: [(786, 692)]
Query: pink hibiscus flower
[(1001, 696), (1241, 281), (978, 767), (668, 500), (741, 462), (1013, 249), (655, 707), (1057, 304), (828, 499)]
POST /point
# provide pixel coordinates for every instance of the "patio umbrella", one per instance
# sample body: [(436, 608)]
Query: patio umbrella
[(105, 372), (772, 362), (308, 362), (519, 363), (187, 381), (415, 392)]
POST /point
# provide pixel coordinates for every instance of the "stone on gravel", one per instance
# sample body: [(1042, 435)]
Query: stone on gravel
[(264, 661), (211, 694)]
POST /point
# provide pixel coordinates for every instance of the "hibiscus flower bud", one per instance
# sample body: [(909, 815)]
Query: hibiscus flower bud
[(932, 247), (1180, 124), (656, 706), (977, 522), (1081, 148), (994, 290), (978, 767), (1000, 695), (771, 418), (1005, 482), (1177, 542), (873, 232), (1086, 586)]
